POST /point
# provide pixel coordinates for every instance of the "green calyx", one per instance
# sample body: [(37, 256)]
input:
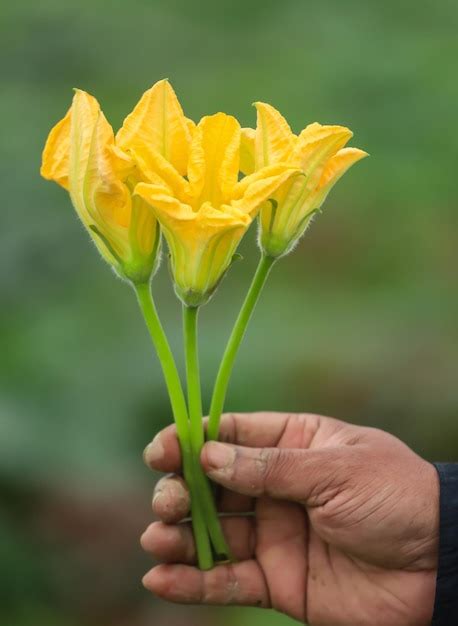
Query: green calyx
[(139, 268), (276, 244), (194, 298)]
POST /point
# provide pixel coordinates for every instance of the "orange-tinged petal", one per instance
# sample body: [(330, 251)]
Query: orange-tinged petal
[(158, 123), (55, 160), (247, 151), (214, 161), (274, 138)]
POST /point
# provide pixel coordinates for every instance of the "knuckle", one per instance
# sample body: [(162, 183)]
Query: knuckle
[(221, 588), (335, 498), (273, 465)]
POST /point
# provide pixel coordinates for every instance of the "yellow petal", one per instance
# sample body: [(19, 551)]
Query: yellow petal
[(317, 143), (163, 202), (311, 131), (55, 160), (316, 132), (255, 189), (227, 216), (143, 228), (155, 169), (84, 113), (101, 199), (158, 123), (123, 163), (107, 198), (191, 126), (274, 139), (167, 205), (247, 151), (336, 167), (214, 160)]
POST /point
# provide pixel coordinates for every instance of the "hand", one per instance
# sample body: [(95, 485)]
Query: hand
[(344, 531)]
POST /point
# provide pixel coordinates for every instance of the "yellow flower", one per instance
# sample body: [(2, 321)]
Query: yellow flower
[(100, 173), (203, 209), (317, 152)]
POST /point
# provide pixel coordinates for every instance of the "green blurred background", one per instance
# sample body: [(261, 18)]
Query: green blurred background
[(360, 322)]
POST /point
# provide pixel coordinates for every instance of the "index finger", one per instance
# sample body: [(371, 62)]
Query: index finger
[(254, 430)]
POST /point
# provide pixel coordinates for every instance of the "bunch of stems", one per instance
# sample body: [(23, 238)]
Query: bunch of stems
[(211, 545)]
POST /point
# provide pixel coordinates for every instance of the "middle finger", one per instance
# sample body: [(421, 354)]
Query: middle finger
[(175, 544)]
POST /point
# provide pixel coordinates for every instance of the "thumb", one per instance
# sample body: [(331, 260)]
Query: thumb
[(311, 477)]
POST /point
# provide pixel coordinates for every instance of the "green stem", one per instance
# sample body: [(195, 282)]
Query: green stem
[(180, 414), (190, 316), (233, 345)]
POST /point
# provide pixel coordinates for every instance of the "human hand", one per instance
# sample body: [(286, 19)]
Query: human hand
[(343, 528)]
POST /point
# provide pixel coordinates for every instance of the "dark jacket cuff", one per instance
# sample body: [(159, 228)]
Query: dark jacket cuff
[(446, 602)]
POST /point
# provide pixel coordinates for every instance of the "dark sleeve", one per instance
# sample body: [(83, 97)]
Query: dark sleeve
[(446, 602)]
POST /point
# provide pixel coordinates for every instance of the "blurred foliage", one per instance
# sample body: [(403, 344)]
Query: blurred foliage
[(360, 322)]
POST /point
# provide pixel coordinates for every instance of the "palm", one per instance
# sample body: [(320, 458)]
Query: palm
[(359, 549), (308, 577)]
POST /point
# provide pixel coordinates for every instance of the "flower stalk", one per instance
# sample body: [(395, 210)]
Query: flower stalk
[(180, 414), (233, 344), (190, 335), (190, 317)]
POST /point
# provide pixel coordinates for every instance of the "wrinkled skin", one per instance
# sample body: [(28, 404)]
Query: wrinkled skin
[(344, 531)]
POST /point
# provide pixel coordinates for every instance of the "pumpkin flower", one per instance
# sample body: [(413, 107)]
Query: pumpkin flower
[(99, 171), (203, 209), (318, 153)]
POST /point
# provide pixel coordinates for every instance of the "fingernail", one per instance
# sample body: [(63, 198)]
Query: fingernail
[(220, 457), (154, 451)]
